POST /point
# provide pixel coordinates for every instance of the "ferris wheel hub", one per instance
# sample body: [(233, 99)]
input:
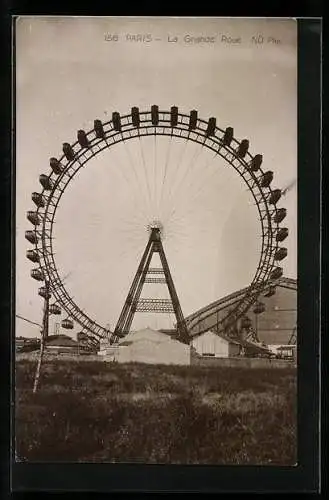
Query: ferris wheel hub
[(155, 225)]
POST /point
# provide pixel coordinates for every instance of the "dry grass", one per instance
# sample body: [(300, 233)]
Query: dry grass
[(162, 414)]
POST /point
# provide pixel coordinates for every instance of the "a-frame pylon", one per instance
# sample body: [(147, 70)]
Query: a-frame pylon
[(145, 274)]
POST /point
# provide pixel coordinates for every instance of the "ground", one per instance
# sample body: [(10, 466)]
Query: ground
[(96, 411)]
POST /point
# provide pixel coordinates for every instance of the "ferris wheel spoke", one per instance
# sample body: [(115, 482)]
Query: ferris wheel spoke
[(189, 187), (135, 171), (165, 170), (129, 231), (205, 169), (145, 172), (178, 181), (130, 228), (155, 171), (137, 199), (179, 231), (174, 170), (202, 190), (183, 218), (132, 250), (128, 234), (189, 170), (190, 167), (183, 239)]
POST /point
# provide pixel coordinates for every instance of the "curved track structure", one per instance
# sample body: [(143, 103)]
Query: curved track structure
[(209, 316), (128, 127)]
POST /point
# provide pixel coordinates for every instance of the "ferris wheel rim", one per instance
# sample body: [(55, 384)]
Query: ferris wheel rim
[(147, 128)]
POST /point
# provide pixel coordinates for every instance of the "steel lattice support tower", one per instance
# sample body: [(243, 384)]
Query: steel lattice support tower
[(146, 274)]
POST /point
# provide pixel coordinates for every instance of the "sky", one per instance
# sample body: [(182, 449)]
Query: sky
[(72, 70)]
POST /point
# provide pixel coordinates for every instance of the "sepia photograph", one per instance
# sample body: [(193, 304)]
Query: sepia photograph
[(156, 240)]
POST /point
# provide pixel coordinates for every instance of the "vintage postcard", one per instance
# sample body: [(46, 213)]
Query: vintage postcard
[(156, 240)]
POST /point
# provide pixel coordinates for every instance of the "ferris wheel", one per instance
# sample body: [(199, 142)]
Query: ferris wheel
[(138, 126)]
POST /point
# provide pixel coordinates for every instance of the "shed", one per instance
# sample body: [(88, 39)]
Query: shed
[(152, 347), (58, 344), (213, 344), (288, 351)]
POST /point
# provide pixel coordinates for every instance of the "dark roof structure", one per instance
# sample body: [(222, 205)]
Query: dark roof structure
[(61, 341), (274, 326)]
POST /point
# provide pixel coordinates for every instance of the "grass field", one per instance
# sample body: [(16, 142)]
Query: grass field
[(95, 411)]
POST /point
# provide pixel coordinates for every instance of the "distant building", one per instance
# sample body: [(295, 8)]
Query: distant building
[(59, 344), (284, 351), (106, 349), (27, 344), (19, 343), (276, 325), (218, 346), (147, 346)]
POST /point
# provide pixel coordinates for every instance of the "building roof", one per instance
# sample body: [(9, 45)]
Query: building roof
[(233, 298), (224, 337), (148, 334), (61, 341)]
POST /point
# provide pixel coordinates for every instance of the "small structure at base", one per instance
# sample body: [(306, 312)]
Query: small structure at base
[(148, 346), (286, 351), (213, 344), (61, 344)]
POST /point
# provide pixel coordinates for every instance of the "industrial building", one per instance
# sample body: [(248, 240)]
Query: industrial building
[(273, 318)]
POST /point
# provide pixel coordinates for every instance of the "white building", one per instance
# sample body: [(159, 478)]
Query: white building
[(212, 344), (288, 351), (148, 346)]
